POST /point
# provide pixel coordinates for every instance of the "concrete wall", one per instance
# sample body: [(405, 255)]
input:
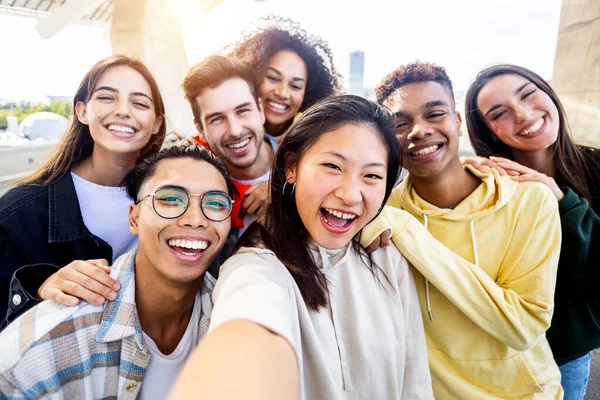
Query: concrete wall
[(576, 76)]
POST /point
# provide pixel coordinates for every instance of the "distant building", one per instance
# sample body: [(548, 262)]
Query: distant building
[(49, 100), (357, 70), (357, 73)]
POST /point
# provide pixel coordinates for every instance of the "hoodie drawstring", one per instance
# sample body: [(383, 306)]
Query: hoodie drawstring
[(475, 256), (425, 222)]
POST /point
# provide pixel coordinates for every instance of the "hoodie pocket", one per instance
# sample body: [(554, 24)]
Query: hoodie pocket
[(508, 377)]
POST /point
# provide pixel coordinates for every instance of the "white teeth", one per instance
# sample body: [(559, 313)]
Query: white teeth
[(120, 128), (189, 244), (426, 150), (533, 128), (340, 214), (278, 106), (238, 145)]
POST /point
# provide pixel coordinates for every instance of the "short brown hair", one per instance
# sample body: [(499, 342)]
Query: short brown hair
[(413, 73), (210, 73)]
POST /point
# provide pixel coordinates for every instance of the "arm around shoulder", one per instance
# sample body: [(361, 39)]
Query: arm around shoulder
[(516, 307)]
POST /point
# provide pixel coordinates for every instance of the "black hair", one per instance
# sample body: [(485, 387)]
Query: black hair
[(134, 180), (413, 73), (282, 230)]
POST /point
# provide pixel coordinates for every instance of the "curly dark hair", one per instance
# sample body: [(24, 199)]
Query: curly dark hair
[(271, 34), (412, 73)]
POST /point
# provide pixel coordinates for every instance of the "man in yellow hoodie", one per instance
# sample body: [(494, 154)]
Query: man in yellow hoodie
[(485, 249)]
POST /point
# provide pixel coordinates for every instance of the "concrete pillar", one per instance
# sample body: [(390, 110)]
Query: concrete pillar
[(576, 76), (151, 31)]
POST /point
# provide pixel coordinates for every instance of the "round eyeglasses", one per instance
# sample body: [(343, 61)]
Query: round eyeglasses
[(172, 202)]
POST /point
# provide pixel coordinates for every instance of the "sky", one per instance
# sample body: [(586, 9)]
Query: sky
[(462, 35)]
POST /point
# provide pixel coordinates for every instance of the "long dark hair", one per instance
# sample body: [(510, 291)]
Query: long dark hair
[(282, 230), (77, 143), (274, 34), (572, 161)]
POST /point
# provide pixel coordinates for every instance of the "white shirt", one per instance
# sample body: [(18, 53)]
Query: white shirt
[(367, 343), (163, 369), (105, 212)]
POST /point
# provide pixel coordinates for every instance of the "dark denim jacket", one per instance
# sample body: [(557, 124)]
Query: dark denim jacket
[(41, 230)]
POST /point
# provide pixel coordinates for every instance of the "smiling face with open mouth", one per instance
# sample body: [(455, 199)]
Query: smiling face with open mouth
[(179, 249), (428, 128), (232, 122), (520, 114), (120, 112), (282, 88), (340, 184)]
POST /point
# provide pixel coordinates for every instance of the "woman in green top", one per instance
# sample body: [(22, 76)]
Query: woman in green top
[(516, 121)]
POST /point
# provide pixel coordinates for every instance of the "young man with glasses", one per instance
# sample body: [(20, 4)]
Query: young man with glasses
[(133, 347)]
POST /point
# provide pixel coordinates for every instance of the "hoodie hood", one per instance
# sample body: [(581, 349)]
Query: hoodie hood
[(494, 192)]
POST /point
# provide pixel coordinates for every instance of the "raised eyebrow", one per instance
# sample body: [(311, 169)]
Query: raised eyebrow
[(274, 70), (338, 155), (376, 165), (523, 86), (169, 186), (243, 105), (497, 106), (399, 114), (212, 115), (141, 94), (296, 78), (111, 89), (435, 103), (107, 88)]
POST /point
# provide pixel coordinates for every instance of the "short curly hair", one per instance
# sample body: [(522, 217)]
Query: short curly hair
[(273, 34), (412, 73)]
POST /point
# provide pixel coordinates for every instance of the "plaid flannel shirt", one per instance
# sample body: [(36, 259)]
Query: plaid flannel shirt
[(82, 352)]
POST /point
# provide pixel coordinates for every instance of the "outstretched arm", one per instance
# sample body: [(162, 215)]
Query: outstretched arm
[(240, 360)]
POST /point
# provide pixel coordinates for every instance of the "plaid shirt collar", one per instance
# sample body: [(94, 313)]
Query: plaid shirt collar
[(120, 319)]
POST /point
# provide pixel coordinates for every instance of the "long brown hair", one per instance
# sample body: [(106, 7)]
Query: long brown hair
[(571, 162), (77, 143), (283, 231)]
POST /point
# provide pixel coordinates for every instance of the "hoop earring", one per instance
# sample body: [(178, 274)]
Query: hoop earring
[(284, 186)]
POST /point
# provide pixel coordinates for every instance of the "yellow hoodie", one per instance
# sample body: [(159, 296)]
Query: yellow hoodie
[(488, 301)]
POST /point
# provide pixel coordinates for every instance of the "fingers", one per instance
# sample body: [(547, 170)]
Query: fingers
[(256, 199), (96, 280), (386, 238), (59, 297), (482, 164), (513, 167), (534, 177), (86, 280), (102, 264), (375, 245)]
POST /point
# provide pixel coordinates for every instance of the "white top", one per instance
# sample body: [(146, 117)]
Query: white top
[(163, 369), (105, 212), (250, 218), (368, 343)]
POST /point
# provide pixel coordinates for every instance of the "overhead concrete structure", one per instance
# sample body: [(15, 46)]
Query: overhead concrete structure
[(576, 76), (149, 30)]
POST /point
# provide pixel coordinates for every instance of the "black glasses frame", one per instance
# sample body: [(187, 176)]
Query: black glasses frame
[(189, 201)]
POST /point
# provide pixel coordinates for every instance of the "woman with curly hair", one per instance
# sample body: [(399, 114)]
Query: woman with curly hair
[(292, 69)]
